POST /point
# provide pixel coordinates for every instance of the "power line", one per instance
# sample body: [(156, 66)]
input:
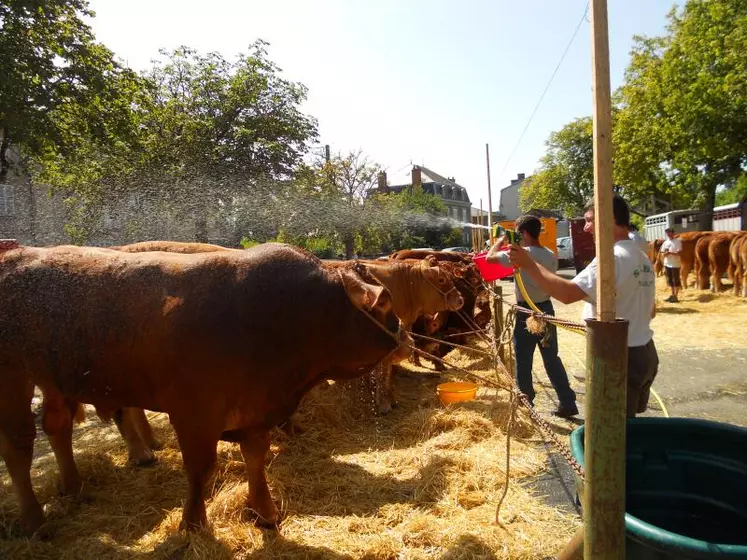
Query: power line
[(547, 87)]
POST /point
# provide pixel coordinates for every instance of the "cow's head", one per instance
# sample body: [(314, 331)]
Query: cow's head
[(440, 281), (375, 301)]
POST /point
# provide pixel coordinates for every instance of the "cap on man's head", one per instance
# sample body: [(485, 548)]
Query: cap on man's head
[(669, 230)]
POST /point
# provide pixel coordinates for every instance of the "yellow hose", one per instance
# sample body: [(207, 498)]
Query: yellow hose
[(522, 289)]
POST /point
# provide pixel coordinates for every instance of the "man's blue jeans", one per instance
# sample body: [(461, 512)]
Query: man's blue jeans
[(524, 345)]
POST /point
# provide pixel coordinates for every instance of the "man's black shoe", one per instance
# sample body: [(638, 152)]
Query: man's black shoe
[(566, 411)]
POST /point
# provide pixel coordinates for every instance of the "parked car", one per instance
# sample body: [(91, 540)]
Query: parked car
[(457, 250), (565, 251)]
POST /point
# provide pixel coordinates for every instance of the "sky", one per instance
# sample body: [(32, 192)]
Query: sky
[(425, 82)]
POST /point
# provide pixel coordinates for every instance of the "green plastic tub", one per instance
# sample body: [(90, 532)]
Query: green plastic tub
[(686, 495)]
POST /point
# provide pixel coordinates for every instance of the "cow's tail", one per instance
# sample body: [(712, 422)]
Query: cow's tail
[(80, 413)]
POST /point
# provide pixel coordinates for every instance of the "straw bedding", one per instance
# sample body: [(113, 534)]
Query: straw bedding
[(422, 482)]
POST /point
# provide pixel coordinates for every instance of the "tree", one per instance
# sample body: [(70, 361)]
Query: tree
[(343, 184), (210, 131), (217, 127), (59, 88), (683, 128), (565, 179)]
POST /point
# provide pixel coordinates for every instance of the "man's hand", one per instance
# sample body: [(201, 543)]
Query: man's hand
[(520, 257)]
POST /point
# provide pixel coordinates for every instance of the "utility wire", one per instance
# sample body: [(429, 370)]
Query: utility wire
[(547, 87)]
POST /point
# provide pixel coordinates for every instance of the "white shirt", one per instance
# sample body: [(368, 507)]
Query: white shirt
[(634, 286), (640, 241), (674, 244)]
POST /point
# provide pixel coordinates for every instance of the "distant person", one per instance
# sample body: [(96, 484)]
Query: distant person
[(525, 342), (635, 299), (671, 249), (633, 235)]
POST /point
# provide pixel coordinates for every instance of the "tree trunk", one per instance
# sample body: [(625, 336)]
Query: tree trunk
[(349, 245), (201, 230), (706, 223), (4, 162)]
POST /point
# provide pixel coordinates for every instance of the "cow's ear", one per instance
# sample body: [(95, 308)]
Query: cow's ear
[(362, 295)]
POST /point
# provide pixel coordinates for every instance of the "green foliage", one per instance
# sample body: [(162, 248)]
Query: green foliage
[(683, 123), (734, 193), (62, 94), (565, 179), (247, 243)]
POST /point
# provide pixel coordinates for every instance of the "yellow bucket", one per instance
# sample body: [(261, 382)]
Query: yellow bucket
[(456, 391)]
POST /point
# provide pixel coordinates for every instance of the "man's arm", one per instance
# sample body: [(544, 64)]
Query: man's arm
[(561, 289), (494, 253)]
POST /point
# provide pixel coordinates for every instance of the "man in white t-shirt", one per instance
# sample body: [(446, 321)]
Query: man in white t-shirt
[(638, 238), (635, 299), (671, 249)]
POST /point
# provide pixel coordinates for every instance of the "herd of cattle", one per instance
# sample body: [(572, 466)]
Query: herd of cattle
[(709, 255), (225, 341)]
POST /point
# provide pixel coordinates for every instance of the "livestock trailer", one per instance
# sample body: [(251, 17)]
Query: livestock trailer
[(729, 217), (679, 220)]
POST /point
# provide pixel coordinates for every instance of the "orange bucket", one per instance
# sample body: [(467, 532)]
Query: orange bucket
[(456, 391)]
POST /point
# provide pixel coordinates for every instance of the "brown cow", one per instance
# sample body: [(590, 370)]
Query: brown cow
[(687, 256), (736, 272), (171, 247), (702, 264), (718, 258), (447, 256), (226, 344), (654, 255), (743, 263), (417, 288)]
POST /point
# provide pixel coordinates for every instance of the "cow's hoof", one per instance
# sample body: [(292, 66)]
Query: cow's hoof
[(384, 409), (72, 488), (144, 459), (32, 523), (155, 444)]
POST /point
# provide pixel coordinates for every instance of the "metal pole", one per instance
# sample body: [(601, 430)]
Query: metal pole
[(326, 152), (490, 196), (606, 363)]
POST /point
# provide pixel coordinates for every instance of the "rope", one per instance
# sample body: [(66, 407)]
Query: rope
[(509, 427), (454, 344)]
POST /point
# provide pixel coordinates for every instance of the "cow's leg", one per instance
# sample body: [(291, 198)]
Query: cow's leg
[(57, 422), (137, 450), (199, 445), (17, 434), (254, 450), (145, 429), (415, 359)]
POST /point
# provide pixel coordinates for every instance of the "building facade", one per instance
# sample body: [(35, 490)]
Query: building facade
[(509, 199), (453, 195)]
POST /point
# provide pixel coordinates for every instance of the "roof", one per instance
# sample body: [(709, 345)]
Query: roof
[(428, 178)]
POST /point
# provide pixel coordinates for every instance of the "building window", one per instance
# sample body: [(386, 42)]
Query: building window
[(7, 207)]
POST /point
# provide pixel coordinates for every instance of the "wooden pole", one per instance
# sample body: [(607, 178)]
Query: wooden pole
[(606, 364), (490, 196), (482, 235), (603, 222)]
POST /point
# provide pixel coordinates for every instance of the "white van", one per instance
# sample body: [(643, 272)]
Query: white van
[(565, 251)]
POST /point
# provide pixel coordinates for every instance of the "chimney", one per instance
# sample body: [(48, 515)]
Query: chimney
[(417, 177), (382, 181), (521, 176)]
